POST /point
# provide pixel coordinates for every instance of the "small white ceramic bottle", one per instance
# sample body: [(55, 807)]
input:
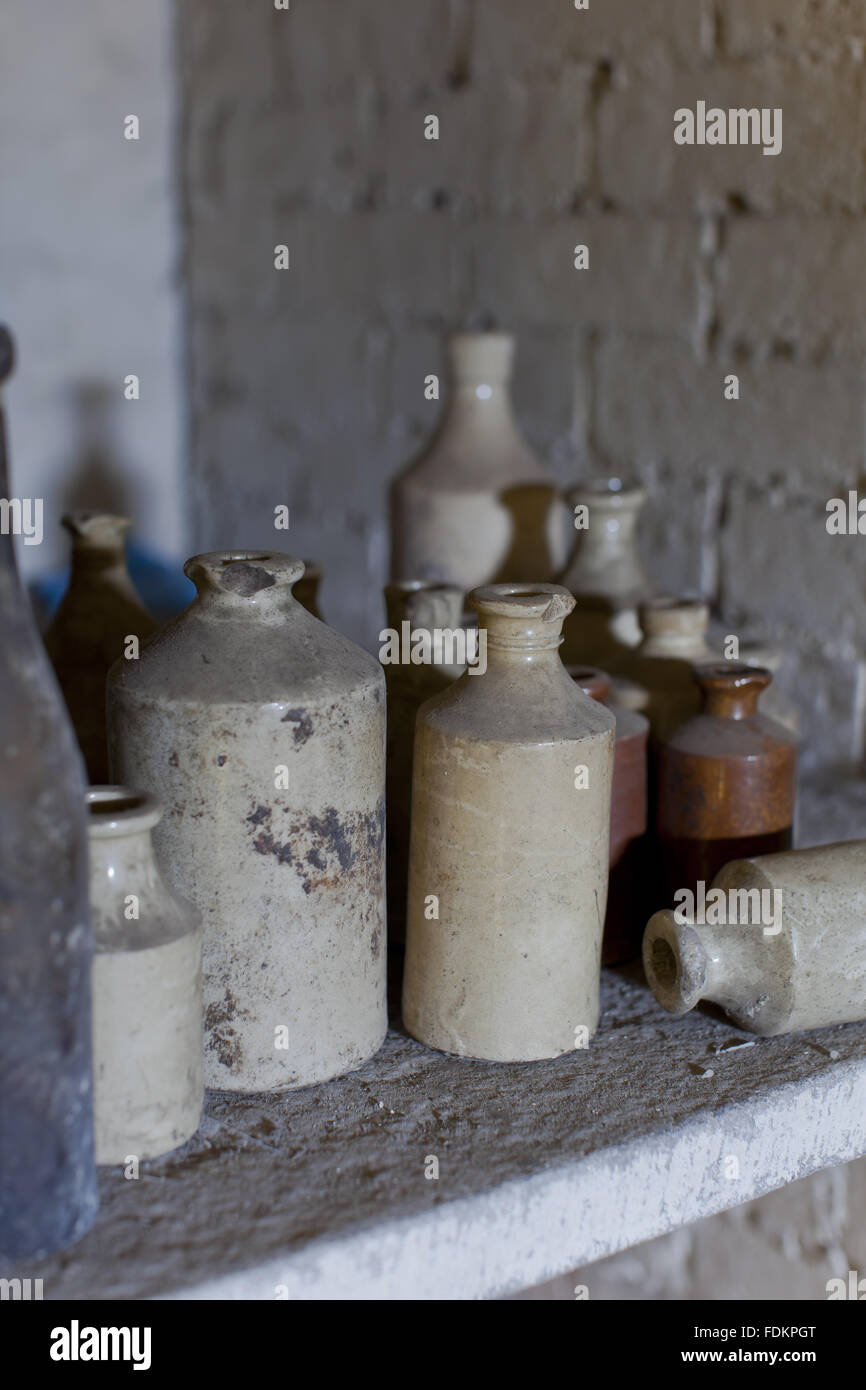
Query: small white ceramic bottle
[(147, 1049)]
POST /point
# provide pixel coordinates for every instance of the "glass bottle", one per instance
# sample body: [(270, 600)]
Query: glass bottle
[(48, 1196), (147, 1013)]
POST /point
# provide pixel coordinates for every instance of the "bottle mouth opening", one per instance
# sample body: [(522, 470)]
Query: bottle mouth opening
[(664, 963), (549, 603), (117, 810), (732, 675), (243, 573)]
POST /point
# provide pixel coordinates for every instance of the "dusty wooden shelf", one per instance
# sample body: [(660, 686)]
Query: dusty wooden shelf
[(322, 1193)]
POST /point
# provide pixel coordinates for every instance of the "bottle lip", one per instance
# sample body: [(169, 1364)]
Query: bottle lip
[(120, 810), (675, 962), (246, 575), (96, 528), (668, 613), (399, 588), (731, 675), (549, 603)]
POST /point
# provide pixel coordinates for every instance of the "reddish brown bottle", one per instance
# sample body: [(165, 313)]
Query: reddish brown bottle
[(626, 915), (726, 781)]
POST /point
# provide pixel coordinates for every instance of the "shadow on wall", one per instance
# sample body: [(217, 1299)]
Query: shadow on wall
[(95, 479)]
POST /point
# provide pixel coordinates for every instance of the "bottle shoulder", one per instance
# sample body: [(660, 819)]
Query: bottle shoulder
[(520, 707), (243, 661), (713, 736)]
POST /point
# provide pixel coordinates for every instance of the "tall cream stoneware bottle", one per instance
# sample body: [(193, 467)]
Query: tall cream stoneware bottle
[(509, 846), (478, 505), (790, 948), (262, 731)]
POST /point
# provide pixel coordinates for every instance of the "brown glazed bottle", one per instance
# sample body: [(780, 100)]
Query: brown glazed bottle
[(726, 781), (625, 917), (424, 607), (99, 611)]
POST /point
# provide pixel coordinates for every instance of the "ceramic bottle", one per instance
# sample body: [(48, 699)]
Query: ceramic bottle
[(48, 1192), (262, 731), (726, 781), (425, 607), (624, 920), (99, 611), (477, 505), (510, 843), (146, 978), (605, 574), (673, 644), (790, 952)]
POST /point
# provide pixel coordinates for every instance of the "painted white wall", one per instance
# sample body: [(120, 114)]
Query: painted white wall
[(90, 263)]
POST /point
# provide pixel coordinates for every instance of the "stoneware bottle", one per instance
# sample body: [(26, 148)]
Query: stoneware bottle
[(674, 643), (306, 591), (795, 957), (605, 574), (510, 844), (477, 505), (47, 1173), (262, 731), (424, 607), (99, 611), (726, 780), (147, 1011), (625, 919)]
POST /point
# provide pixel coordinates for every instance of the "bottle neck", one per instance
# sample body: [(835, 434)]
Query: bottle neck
[(476, 404), (687, 961)]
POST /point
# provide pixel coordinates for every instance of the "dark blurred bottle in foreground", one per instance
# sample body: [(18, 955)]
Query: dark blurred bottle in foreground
[(47, 1172)]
